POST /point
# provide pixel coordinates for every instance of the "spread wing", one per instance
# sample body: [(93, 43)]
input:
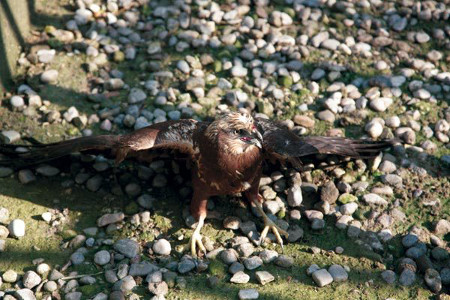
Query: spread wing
[(176, 135), (281, 143)]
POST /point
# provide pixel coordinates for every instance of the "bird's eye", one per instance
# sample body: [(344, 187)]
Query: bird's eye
[(240, 132)]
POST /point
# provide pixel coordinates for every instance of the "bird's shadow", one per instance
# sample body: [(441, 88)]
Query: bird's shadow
[(170, 205)]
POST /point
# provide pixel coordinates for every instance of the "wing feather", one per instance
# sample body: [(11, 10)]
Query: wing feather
[(176, 135), (281, 142)]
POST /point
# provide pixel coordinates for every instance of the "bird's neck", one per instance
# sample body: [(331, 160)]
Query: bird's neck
[(237, 159)]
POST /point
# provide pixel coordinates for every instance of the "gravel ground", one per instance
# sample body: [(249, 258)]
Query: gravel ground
[(372, 69)]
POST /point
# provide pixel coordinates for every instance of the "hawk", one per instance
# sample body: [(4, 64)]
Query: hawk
[(227, 156)]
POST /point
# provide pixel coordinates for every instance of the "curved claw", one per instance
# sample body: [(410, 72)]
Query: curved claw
[(269, 224), (196, 240), (277, 231)]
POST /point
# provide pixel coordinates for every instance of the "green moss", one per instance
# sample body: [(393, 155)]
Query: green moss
[(55, 43), (217, 66), (119, 56), (285, 81), (347, 198), (265, 107), (146, 10), (90, 291), (163, 223), (289, 11), (217, 268), (68, 234), (224, 54), (131, 208)]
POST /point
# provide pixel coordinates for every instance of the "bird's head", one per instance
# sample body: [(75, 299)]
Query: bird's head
[(238, 131)]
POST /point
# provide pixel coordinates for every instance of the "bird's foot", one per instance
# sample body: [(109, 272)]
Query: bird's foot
[(196, 240), (277, 231)]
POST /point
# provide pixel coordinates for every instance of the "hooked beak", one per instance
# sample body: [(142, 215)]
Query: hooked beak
[(255, 138)]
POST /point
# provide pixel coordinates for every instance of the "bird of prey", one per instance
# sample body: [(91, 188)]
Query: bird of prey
[(227, 155)]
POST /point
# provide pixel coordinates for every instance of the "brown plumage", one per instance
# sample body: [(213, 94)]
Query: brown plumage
[(226, 155)]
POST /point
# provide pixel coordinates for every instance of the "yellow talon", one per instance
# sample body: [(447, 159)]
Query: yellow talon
[(196, 238), (269, 224)]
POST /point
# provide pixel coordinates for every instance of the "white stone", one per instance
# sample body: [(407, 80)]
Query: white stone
[(17, 228)]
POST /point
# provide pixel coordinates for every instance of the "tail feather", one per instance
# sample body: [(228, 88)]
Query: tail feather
[(41, 153)]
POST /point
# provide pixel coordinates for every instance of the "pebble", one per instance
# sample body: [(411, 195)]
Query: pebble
[(125, 284), (433, 280), (236, 267), (10, 276), (294, 196), (284, 261), (445, 276), (127, 247), (264, 277), (229, 256), (162, 247), (17, 102), (5, 172), (240, 277), (110, 219), (440, 254), (329, 192), (322, 277), (374, 199), (55, 275), (24, 294), (9, 136), (253, 262), (140, 269), (248, 294), (407, 277), (231, 223), (4, 215), (245, 249), (50, 286), (238, 71), (354, 229), (183, 66), (388, 276), (43, 269), (268, 256), (77, 258), (102, 257), (49, 76), (185, 266), (442, 227), (338, 273), (146, 201), (349, 208), (311, 269), (47, 171), (31, 279), (159, 288), (26, 176), (136, 95), (410, 240), (17, 228)]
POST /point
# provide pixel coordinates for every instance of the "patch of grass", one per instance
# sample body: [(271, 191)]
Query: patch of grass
[(28, 204)]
